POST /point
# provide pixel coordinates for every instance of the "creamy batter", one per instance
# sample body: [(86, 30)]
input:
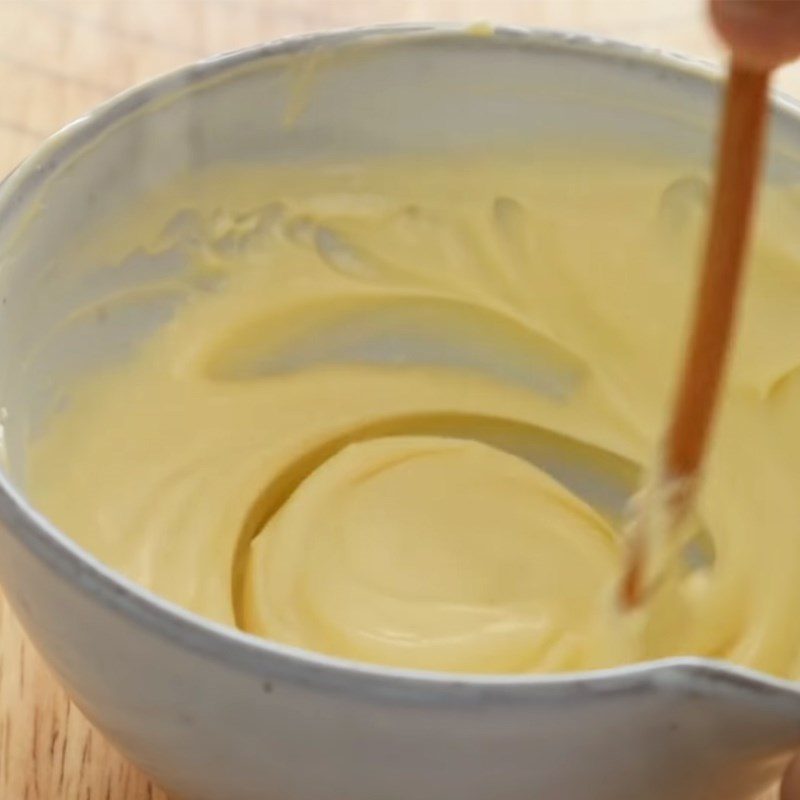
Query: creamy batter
[(344, 437)]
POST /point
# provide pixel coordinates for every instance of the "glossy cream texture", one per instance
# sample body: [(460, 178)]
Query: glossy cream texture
[(344, 436)]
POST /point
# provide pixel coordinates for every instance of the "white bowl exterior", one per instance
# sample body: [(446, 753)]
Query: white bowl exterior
[(215, 717), (207, 728)]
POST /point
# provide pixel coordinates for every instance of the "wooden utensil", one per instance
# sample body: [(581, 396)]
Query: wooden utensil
[(737, 170)]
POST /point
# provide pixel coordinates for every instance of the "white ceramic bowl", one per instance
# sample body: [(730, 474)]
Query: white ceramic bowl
[(214, 714)]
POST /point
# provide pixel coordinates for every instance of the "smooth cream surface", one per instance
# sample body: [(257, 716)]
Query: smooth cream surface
[(319, 445)]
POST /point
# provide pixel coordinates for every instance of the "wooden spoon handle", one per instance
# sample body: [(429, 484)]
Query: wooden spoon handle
[(738, 163)]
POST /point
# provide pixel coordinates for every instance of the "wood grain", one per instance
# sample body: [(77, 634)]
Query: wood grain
[(58, 58)]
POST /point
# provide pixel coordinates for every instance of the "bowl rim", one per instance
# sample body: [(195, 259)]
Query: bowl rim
[(267, 660)]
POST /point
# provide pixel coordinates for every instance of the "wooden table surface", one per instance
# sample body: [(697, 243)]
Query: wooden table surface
[(59, 58)]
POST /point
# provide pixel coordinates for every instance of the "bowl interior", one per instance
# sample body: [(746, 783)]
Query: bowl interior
[(334, 98)]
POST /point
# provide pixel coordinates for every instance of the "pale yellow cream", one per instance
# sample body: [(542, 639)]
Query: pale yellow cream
[(341, 439)]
